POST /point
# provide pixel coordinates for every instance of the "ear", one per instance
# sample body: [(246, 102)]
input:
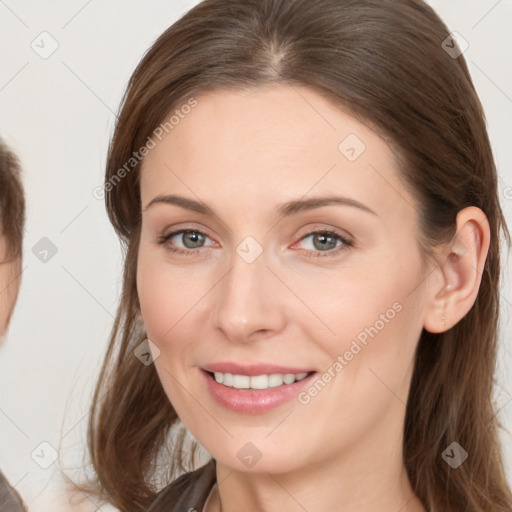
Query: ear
[(454, 284)]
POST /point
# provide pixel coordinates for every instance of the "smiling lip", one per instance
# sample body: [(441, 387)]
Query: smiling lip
[(253, 401), (252, 369)]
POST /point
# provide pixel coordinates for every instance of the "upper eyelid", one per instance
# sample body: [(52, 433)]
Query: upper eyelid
[(181, 231)]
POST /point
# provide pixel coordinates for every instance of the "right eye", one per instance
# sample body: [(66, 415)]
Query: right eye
[(184, 241)]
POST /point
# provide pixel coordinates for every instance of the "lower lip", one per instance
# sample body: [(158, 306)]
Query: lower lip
[(254, 401)]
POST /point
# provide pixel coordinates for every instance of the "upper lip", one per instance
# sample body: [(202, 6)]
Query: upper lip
[(252, 369)]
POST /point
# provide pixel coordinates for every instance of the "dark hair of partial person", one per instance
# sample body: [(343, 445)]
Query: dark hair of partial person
[(12, 202), (383, 62), (12, 222)]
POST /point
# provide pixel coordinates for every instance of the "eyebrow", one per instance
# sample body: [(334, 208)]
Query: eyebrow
[(284, 210)]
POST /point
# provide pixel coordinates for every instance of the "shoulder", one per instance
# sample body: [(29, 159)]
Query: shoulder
[(188, 492)]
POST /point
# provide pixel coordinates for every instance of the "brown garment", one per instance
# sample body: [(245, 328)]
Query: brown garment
[(9, 498), (188, 493)]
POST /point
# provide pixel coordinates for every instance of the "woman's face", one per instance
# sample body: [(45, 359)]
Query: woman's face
[(299, 256)]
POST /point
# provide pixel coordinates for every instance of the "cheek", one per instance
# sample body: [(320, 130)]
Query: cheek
[(368, 363), (368, 317), (171, 298)]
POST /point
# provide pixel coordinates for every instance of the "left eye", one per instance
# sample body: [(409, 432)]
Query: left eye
[(323, 241)]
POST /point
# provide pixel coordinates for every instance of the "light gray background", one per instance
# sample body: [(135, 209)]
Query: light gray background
[(58, 114)]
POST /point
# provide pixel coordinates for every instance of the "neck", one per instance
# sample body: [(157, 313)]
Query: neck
[(366, 478)]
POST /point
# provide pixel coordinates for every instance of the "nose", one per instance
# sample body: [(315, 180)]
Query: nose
[(249, 302)]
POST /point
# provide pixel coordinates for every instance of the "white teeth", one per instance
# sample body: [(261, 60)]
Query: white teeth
[(289, 378), (257, 381), (275, 380), (241, 381)]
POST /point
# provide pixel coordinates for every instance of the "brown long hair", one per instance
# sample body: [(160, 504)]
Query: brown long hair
[(385, 62)]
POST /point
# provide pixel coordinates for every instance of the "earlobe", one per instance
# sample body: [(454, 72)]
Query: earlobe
[(459, 271)]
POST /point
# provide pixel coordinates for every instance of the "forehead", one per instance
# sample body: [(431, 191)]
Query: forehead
[(272, 143)]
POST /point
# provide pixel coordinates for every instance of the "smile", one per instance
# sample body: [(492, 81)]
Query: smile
[(256, 388), (257, 381)]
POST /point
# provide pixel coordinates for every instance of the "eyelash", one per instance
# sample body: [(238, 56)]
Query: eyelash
[(346, 244)]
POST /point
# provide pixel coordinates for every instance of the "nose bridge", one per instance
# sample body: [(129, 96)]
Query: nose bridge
[(245, 302)]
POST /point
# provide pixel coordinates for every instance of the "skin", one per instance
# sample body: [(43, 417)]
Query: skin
[(243, 153), (9, 286)]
